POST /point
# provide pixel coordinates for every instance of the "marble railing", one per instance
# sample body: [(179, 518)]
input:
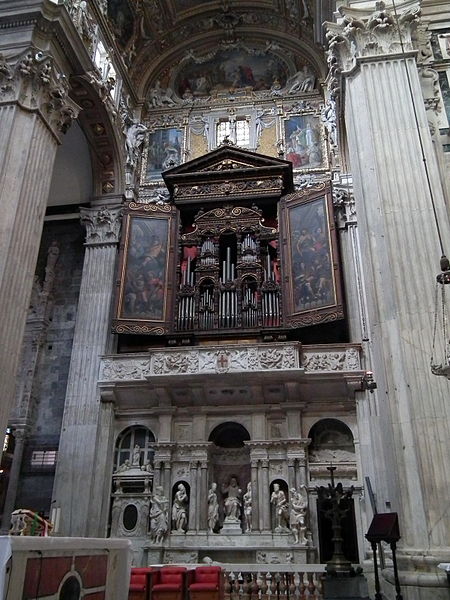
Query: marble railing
[(339, 358), (273, 582)]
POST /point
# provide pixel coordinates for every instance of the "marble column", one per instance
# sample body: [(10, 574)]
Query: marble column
[(77, 458), (193, 508), (203, 525), (264, 500), (387, 129), (255, 495), (34, 111)]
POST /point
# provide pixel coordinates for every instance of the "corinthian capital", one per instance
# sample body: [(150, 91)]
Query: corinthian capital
[(33, 80), (358, 35), (102, 224)]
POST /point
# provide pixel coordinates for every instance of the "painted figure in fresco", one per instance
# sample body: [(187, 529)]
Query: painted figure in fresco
[(248, 508), (281, 509), (213, 508), (232, 504), (179, 510), (159, 515)]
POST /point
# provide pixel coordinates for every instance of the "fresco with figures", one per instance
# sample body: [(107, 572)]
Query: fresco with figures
[(233, 69)]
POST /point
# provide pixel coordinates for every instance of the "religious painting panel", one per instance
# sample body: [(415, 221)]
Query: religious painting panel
[(311, 275), (146, 269), (304, 142), (231, 69), (163, 150)]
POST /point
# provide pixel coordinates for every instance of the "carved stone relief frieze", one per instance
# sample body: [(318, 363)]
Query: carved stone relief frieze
[(223, 361), (340, 360)]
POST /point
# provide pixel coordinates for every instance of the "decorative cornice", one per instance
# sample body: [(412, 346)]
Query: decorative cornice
[(102, 225), (32, 80), (353, 38)]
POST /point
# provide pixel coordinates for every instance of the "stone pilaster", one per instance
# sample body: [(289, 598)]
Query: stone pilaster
[(399, 255), (76, 468), (34, 111)]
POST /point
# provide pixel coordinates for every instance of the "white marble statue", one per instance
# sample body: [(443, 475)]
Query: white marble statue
[(213, 508), (136, 456), (329, 120), (179, 510), (134, 139), (159, 96), (159, 515), (281, 509), (303, 81), (299, 505), (232, 503), (248, 508)]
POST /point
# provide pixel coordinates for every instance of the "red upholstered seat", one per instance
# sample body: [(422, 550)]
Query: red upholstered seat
[(140, 583), (169, 583), (206, 584)]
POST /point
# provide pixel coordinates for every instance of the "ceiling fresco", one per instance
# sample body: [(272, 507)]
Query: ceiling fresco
[(155, 35)]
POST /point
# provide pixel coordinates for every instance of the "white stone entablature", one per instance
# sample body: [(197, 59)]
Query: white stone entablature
[(279, 357)]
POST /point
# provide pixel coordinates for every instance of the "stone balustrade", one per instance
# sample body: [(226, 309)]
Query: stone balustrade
[(273, 582)]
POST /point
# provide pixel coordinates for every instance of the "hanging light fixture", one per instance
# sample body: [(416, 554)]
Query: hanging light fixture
[(440, 333)]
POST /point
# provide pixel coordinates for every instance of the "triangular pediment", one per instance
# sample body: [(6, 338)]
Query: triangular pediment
[(230, 156), (229, 162)]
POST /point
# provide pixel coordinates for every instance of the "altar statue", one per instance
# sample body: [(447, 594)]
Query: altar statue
[(159, 515), (248, 508), (232, 504), (213, 508), (179, 510), (299, 505), (278, 499)]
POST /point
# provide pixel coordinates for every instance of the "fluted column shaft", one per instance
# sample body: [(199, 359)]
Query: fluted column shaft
[(389, 145), (264, 500), (34, 111), (77, 451), (203, 524), (255, 495)]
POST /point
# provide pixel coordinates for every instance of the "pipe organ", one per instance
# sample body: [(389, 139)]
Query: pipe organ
[(228, 272), (234, 252)]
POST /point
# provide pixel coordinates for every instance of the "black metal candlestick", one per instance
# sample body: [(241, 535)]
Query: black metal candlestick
[(335, 494)]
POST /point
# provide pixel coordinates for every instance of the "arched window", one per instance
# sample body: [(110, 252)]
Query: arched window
[(134, 440)]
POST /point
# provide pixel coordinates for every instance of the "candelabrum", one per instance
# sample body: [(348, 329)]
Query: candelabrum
[(333, 496)]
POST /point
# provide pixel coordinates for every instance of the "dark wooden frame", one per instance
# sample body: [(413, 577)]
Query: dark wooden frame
[(137, 324), (313, 312)]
